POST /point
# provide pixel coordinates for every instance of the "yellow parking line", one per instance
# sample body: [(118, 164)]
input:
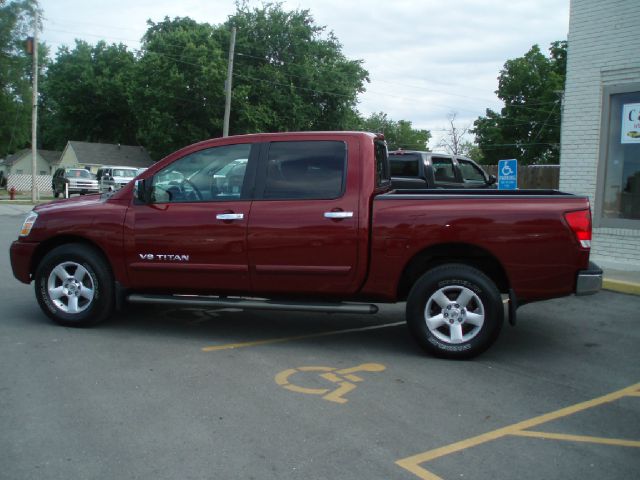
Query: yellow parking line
[(412, 464), (578, 438), (230, 346)]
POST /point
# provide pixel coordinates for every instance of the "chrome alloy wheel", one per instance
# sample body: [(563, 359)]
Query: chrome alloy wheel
[(70, 287), (454, 314)]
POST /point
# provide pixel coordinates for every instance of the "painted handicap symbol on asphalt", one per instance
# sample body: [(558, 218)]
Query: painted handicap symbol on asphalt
[(344, 379)]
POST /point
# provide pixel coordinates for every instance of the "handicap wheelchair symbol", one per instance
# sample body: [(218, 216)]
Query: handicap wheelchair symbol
[(507, 171), (344, 379)]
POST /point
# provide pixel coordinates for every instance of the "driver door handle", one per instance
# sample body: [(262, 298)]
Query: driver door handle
[(230, 216), (336, 215)]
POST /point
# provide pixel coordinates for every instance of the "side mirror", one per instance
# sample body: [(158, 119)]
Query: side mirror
[(492, 179), (141, 191)]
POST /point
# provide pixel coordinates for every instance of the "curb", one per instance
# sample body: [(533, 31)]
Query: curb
[(621, 286)]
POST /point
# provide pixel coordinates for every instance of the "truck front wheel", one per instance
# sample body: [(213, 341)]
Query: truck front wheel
[(74, 286), (455, 311)]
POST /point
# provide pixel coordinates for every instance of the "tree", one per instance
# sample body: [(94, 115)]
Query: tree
[(398, 134), (453, 141), (528, 127), (16, 24), (85, 95), (178, 92), (290, 74), (471, 150)]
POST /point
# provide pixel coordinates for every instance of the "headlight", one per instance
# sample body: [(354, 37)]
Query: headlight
[(28, 224)]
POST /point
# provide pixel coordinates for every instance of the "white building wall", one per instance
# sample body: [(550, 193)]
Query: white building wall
[(69, 158), (604, 49), (25, 165)]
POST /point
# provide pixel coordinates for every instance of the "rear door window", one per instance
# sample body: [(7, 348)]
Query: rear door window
[(305, 170), (405, 165), (383, 175)]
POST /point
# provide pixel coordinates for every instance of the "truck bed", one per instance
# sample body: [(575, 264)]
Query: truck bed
[(416, 194), (522, 233)]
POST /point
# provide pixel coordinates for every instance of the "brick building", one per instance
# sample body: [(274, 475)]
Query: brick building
[(600, 144)]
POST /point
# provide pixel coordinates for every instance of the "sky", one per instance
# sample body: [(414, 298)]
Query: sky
[(427, 59)]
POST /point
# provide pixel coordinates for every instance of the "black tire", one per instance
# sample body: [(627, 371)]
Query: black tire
[(56, 194), (86, 296), (455, 311)]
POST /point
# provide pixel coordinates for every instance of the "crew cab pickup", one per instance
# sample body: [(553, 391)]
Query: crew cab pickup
[(417, 170), (307, 221)]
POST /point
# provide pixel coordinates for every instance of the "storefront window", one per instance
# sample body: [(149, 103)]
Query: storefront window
[(621, 192)]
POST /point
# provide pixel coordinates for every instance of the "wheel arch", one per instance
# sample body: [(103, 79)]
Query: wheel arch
[(441, 254), (45, 247)]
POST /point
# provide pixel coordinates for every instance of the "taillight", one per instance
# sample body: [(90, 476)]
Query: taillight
[(580, 223)]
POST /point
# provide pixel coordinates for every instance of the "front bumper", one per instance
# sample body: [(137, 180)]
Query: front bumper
[(589, 281), (21, 254), (83, 190)]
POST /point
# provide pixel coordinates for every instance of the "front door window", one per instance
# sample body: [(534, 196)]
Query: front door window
[(214, 174)]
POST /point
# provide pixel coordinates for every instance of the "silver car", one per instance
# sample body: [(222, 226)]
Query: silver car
[(73, 180), (111, 179)]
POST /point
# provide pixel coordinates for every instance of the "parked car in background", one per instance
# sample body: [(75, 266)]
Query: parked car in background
[(111, 179), (79, 181), (419, 170)]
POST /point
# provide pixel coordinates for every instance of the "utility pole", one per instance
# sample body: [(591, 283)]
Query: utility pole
[(34, 112), (227, 103)]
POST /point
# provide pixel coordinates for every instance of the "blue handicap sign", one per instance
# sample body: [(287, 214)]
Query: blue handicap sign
[(508, 174)]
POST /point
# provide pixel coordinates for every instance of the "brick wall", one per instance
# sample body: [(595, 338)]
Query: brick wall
[(604, 49)]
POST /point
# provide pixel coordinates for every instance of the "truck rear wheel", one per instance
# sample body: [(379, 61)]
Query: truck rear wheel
[(455, 311), (74, 286)]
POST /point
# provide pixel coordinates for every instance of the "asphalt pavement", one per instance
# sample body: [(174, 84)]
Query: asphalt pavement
[(163, 393)]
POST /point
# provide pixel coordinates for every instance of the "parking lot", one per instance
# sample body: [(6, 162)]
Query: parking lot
[(168, 393)]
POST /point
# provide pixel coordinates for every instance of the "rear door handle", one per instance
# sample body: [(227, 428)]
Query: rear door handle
[(230, 216), (335, 215)]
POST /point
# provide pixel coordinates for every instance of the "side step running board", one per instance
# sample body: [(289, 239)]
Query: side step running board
[(252, 304)]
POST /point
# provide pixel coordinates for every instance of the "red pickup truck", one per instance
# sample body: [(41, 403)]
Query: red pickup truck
[(307, 221)]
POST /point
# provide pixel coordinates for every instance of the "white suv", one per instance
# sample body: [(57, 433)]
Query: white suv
[(111, 179)]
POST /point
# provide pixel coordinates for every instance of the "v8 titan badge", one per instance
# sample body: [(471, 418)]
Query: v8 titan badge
[(344, 379)]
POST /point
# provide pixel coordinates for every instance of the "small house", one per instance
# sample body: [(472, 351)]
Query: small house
[(94, 155)]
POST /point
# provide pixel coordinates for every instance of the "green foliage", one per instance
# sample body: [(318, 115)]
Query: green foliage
[(178, 92), (16, 24), (398, 134), (289, 74), (471, 150), (85, 96), (528, 127)]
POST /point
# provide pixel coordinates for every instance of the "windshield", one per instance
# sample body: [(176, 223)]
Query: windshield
[(79, 173), (124, 172)]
